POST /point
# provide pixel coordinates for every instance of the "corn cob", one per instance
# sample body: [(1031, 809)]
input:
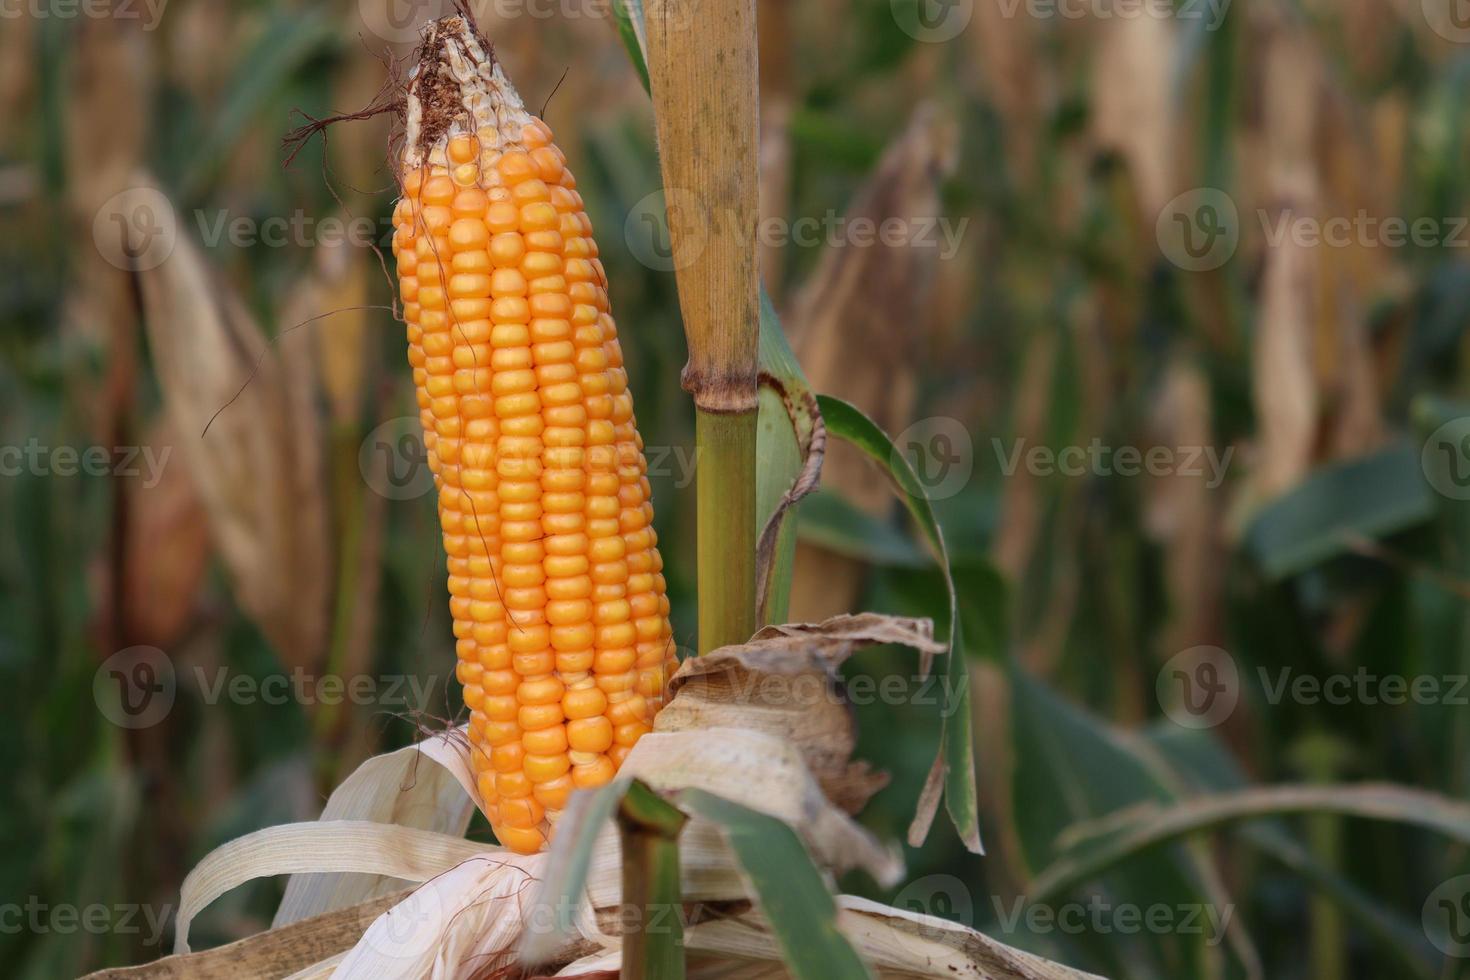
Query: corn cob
[(556, 592)]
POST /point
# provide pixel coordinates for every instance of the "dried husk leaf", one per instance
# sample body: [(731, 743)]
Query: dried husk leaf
[(785, 682), (397, 788), (766, 773), (259, 467), (297, 949)]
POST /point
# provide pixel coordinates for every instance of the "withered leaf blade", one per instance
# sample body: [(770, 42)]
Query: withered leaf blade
[(259, 467), (785, 683)]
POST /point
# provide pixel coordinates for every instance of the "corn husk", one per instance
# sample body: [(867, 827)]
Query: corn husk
[(472, 906)]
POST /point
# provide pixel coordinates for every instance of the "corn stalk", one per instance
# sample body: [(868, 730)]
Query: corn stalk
[(704, 96)]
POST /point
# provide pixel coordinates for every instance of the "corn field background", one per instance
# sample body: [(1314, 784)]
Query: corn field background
[(1165, 300)]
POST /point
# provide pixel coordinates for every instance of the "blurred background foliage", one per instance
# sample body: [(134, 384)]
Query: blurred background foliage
[(281, 542)]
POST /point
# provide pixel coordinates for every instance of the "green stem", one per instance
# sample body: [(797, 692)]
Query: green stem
[(653, 908), (725, 479)]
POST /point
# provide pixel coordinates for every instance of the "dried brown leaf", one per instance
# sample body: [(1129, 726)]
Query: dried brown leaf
[(259, 466), (166, 544), (785, 682)]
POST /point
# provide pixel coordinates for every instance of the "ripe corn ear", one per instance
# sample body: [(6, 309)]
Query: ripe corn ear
[(556, 591)]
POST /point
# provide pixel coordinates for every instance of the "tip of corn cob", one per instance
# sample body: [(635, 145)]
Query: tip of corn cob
[(457, 87), (555, 581)]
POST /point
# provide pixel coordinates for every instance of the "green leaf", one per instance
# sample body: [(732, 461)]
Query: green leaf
[(288, 42), (1131, 833), (787, 886), (955, 764), (788, 420), (565, 877), (629, 17), (828, 519), (1339, 505), (1070, 768), (1201, 760)]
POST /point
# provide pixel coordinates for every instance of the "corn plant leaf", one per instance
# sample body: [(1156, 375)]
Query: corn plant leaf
[(1097, 847), (828, 519), (1339, 505), (562, 886), (1200, 760), (288, 41), (953, 774), (801, 911), (1070, 767), (629, 17)]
